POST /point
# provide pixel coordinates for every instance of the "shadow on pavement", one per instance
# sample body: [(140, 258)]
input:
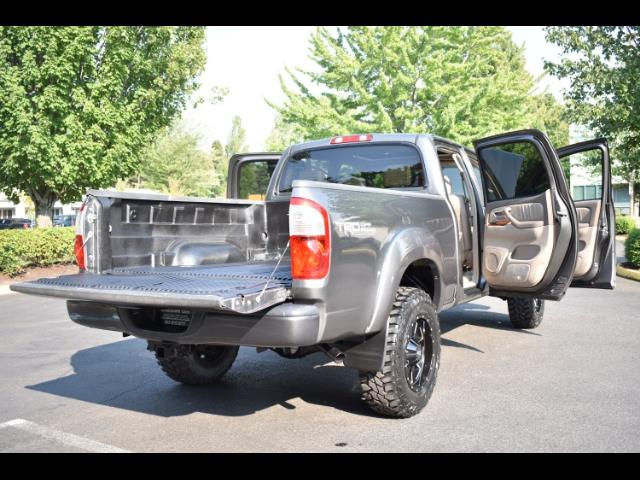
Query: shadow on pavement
[(125, 375), (477, 315)]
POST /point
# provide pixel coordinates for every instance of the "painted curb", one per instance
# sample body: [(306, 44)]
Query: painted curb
[(627, 273)]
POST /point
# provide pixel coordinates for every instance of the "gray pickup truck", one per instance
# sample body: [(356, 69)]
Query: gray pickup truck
[(349, 246)]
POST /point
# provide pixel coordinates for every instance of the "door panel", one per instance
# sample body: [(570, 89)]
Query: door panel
[(530, 233), (518, 242), (588, 214), (590, 175)]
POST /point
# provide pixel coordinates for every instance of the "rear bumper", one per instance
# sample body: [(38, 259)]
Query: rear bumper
[(285, 325)]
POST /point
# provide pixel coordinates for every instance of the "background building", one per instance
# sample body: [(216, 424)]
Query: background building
[(585, 185), (8, 209)]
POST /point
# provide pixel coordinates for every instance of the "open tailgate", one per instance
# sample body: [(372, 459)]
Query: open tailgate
[(242, 288)]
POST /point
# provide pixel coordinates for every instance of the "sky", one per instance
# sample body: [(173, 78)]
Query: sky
[(248, 60)]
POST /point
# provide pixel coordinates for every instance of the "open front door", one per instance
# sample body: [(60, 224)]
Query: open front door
[(249, 175), (530, 233), (590, 183)]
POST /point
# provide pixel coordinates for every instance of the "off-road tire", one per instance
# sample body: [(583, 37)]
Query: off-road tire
[(388, 392), (524, 312), (193, 369)]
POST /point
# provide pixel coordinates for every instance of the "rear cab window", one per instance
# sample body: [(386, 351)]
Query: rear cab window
[(376, 165)]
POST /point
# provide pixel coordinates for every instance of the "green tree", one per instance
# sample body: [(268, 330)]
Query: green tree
[(79, 104), (458, 82), (602, 64), (237, 139), (220, 163), (176, 165), (220, 154), (283, 135)]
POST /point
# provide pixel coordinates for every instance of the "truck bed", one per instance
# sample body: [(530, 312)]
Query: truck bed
[(239, 287)]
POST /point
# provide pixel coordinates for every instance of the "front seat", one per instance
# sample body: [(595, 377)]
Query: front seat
[(459, 205)]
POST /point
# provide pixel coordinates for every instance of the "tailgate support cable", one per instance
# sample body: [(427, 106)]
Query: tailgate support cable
[(259, 298)]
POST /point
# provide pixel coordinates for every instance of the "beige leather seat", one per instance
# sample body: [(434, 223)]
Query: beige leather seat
[(464, 228)]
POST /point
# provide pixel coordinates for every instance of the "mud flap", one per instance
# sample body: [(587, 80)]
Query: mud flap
[(367, 356)]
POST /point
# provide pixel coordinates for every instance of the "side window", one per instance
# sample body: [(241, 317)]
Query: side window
[(513, 170), (253, 179)]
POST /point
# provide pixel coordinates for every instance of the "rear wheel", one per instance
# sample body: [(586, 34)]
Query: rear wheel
[(525, 313), (411, 360), (196, 364)]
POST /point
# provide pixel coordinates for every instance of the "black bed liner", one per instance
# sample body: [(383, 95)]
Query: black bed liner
[(242, 287)]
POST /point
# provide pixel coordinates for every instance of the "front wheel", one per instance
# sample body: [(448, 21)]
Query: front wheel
[(197, 364), (411, 359), (524, 312)]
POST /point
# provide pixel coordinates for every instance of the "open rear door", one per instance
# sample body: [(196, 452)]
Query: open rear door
[(249, 175), (590, 183), (530, 233)]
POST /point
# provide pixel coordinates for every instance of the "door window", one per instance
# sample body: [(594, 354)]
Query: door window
[(513, 170), (583, 172), (253, 179)]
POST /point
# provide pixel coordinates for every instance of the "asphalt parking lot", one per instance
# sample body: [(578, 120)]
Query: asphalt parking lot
[(573, 384)]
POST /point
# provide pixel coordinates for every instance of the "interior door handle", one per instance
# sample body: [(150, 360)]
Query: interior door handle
[(522, 223), (497, 219)]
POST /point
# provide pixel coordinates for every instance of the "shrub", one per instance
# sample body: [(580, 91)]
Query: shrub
[(632, 247), (624, 224), (37, 247)]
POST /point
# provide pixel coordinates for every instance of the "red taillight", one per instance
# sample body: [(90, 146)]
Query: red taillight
[(78, 250), (309, 239), (351, 139)]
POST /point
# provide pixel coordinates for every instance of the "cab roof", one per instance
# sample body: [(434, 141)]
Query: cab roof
[(377, 137)]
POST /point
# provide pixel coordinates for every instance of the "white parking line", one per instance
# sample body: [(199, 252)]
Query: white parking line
[(68, 439)]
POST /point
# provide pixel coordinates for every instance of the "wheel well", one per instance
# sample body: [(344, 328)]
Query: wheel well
[(422, 274)]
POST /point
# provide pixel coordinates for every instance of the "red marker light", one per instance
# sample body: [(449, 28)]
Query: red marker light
[(351, 139)]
